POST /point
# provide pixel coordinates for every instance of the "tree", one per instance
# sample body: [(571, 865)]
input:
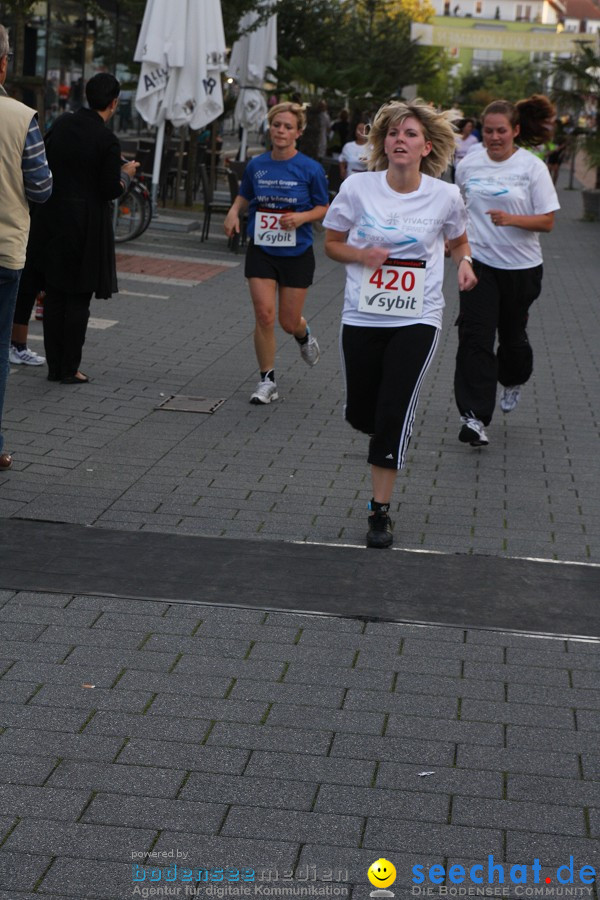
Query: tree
[(358, 48), (416, 10), (311, 31), (436, 84), (389, 60), (506, 81), (576, 88), (234, 10)]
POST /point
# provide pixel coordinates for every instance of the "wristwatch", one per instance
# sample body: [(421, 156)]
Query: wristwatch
[(469, 259)]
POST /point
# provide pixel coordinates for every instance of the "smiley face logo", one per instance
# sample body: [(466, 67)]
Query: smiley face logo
[(381, 873)]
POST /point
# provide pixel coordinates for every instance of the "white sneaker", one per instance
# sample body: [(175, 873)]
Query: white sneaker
[(510, 397), (265, 392), (472, 432), (25, 357), (309, 351)]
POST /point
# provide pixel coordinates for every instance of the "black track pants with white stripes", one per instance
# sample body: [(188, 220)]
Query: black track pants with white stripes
[(384, 369)]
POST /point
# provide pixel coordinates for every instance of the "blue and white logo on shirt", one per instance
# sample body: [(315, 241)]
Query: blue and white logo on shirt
[(369, 229), (486, 187)]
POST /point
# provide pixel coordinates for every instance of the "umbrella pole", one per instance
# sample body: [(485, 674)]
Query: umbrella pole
[(213, 154), (180, 164), (244, 144), (160, 140)]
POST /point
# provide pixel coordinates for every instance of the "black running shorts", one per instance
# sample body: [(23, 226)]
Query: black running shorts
[(287, 271)]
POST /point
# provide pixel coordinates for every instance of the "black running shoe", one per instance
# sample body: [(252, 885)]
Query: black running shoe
[(472, 432), (380, 534)]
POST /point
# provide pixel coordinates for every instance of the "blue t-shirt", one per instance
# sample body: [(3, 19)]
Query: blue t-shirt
[(297, 184)]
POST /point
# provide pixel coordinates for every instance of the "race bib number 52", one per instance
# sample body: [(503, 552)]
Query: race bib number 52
[(268, 231), (395, 289)]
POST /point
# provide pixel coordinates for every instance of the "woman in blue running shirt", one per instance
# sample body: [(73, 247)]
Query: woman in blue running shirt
[(283, 192)]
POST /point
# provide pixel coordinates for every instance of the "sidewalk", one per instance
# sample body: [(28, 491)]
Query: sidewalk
[(274, 705), (274, 741)]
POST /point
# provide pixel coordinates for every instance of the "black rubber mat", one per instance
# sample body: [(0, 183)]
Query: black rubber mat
[(458, 590)]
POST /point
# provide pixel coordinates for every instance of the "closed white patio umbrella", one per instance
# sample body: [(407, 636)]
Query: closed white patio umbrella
[(182, 50), (251, 56)]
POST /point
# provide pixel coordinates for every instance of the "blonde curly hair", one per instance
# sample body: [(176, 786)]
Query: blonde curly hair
[(437, 128)]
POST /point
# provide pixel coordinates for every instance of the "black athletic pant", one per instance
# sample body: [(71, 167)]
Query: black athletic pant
[(65, 324), (499, 302), (32, 282), (384, 371)]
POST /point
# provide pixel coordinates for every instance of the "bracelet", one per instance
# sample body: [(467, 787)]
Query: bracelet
[(469, 259)]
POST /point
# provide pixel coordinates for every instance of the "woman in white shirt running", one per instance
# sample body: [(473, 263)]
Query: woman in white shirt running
[(388, 226), (510, 198), (353, 157), (465, 141)]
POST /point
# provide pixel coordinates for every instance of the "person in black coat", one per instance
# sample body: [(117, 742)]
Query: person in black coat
[(71, 244)]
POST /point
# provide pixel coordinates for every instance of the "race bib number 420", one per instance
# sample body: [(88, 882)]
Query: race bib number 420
[(268, 231), (395, 289)]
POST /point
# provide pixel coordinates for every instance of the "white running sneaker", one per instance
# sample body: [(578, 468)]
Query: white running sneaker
[(265, 392), (25, 357), (472, 432), (510, 397), (309, 351)]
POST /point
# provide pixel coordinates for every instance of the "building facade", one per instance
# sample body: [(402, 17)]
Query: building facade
[(480, 33), (59, 44)]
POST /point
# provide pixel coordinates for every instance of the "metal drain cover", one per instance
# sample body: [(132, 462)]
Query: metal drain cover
[(179, 403)]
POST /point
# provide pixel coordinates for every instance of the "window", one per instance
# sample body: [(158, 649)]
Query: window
[(482, 58)]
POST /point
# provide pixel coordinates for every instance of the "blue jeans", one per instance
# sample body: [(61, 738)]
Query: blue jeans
[(9, 286)]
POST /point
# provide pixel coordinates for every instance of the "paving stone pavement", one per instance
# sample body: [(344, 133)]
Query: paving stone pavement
[(136, 727), (284, 742)]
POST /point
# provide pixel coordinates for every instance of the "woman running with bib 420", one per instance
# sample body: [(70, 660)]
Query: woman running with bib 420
[(283, 191), (388, 226)]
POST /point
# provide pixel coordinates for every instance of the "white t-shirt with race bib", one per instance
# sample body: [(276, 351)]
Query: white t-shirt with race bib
[(412, 226), (521, 185)]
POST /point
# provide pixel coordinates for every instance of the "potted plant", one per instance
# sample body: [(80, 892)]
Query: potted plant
[(576, 87)]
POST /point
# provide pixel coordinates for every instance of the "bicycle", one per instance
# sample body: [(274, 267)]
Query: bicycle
[(132, 212)]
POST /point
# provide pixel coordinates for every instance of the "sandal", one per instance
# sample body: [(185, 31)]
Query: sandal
[(77, 378)]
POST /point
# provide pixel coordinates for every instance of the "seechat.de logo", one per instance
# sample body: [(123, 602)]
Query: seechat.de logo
[(492, 873)]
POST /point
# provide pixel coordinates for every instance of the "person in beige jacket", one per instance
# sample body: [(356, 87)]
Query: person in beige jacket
[(24, 177)]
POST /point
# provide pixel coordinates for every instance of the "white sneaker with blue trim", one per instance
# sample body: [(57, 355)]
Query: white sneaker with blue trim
[(510, 397), (266, 392), (309, 350), (25, 357)]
